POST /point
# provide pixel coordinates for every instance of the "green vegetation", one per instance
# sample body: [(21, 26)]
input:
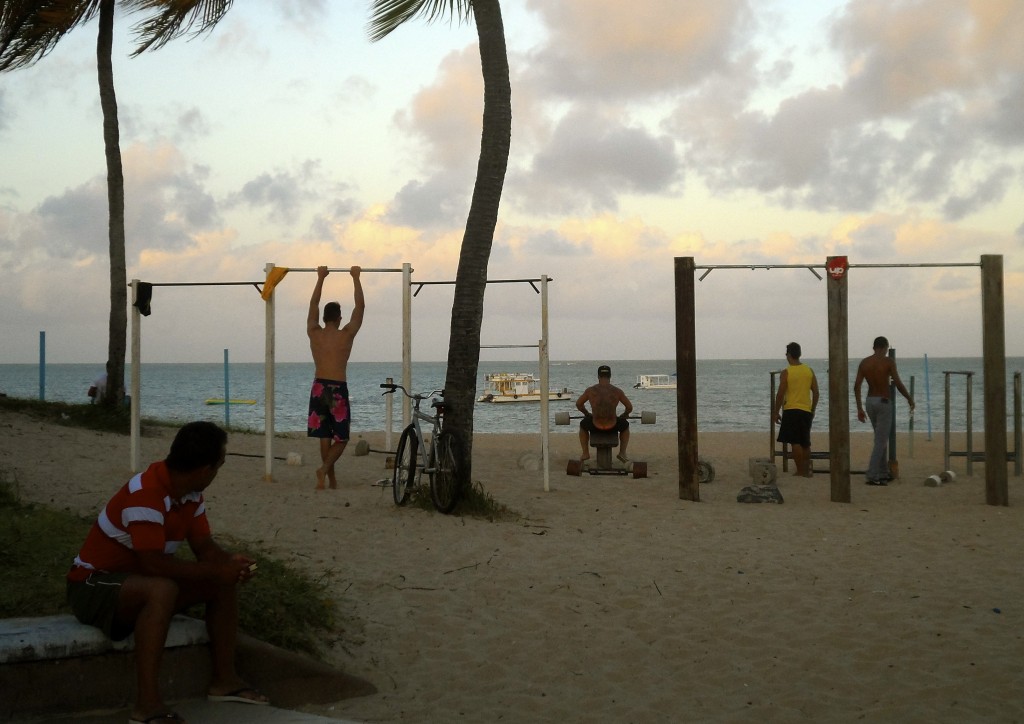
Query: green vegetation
[(37, 546), (94, 417), (475, 503), (281, 606)]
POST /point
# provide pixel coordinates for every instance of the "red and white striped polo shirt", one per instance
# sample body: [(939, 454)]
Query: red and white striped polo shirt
[(141, 516)]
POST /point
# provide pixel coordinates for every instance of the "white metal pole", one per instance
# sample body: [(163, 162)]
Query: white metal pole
[(227, 394), (406, 341), (388, 415), (545, 362), (136, 427), (268, 385)]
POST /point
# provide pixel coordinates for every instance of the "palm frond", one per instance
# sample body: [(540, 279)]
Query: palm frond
[(174, 18), (388, 15), (29, 29)]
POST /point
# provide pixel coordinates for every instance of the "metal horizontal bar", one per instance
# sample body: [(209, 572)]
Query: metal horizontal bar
[(507, 346), (333, 269), (822, 266), (419, 285), (490, 281), (199, 284)]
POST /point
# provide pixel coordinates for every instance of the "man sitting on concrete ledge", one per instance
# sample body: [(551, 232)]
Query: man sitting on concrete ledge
[(127, 579)]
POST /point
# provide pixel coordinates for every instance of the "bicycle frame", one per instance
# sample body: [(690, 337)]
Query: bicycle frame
[(435, 425), (440, 462)]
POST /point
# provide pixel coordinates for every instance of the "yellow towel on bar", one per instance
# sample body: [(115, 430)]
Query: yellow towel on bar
[(274, 276)]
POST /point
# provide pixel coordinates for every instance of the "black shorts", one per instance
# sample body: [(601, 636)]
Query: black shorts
[(587, 423), (94, 603), (796, 427)]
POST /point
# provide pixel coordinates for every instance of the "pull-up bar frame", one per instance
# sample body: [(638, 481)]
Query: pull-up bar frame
[(812, 267), (270, 351), (543, 358), (419, 285), (135, 424), (269, 394), (993, 351)]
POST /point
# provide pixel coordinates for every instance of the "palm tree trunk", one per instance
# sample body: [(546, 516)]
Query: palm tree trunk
[(118, 327), (471, 279)]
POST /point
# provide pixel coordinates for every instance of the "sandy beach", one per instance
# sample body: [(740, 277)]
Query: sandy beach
[(613, 600)]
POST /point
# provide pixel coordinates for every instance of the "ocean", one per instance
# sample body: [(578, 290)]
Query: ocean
[(732, 395)]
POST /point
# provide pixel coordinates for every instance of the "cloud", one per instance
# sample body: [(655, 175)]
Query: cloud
[(992, 188), (438, 201), (284, 197), (447, 115), (900, 53), (612, 50), (303, 14), (929, 104), (165, 204), (278, 192), (590, 161)]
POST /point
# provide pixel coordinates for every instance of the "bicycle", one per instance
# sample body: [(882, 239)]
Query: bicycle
[(442, 464)]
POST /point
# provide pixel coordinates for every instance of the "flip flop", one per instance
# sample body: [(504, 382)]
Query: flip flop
[(237, 697), (167, 716), (622, 458)]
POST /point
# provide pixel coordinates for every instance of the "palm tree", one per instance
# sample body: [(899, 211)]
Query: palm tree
[(29, 29), (495, 141)]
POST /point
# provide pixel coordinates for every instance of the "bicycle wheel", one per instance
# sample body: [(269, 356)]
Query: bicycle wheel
[(405, 466), (444, 481)]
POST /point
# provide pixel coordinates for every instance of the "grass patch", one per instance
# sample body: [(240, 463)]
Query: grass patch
[(475, 503), (281, 605), (93, 417), (37, 545)]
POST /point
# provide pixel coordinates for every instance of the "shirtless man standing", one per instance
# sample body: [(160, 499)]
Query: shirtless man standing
[(331, 344), (604, 398), (878, 369)]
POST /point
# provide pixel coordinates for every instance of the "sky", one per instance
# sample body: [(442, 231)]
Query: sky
[(736, 132)]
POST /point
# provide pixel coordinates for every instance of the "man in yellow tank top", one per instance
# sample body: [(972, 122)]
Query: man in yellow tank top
[(795, 403)]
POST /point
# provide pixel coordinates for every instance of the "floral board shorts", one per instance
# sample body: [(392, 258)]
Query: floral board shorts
[(329, 412)]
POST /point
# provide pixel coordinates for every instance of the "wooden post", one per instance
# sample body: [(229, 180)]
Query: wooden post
[(993, 344), (136, 404), (970, 423), (838, 381), (894, 461), (1016, 424), (686, 375), (946, 436), (269, 394), (771, 429)]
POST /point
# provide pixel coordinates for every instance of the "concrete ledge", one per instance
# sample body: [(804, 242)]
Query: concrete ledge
[(59, 637), (54, 664)]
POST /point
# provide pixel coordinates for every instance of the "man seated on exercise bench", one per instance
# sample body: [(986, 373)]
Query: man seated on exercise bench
[(604, 399)]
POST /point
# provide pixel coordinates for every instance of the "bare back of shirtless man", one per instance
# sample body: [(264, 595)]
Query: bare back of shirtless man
[(604, 399), (331, 345)]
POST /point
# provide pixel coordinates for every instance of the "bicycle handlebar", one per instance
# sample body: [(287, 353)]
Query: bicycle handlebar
[(391, 387)]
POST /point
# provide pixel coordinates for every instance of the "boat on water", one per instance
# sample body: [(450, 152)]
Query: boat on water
[(518, 387), (222, 401), (655, 382)]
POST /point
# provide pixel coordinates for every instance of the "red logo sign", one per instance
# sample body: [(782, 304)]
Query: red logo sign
[(837, 267)]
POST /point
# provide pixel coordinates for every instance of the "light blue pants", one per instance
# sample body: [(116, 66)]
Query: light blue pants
[(879, 411)]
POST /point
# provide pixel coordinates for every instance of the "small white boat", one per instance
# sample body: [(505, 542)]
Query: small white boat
[(655, 382), (518, 387)]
